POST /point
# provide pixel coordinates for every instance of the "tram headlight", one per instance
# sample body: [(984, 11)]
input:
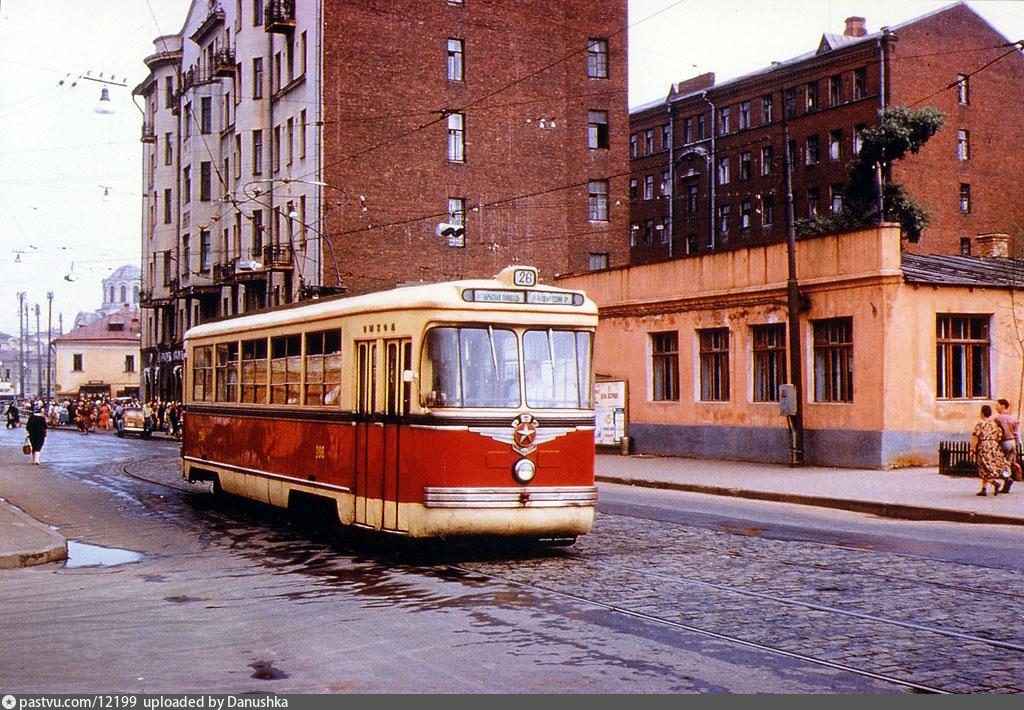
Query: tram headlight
[(524, 470)]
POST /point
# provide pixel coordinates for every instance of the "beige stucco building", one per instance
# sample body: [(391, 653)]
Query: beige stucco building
[(898, 351), (101, 358)]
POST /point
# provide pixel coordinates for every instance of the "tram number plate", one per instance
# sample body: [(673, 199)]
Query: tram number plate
[(524, 277)]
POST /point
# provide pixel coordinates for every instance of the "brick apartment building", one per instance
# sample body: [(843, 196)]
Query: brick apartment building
[(707, 161), (296, 148)]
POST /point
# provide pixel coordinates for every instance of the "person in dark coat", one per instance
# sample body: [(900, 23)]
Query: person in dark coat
[(35, 427), (13, 419)]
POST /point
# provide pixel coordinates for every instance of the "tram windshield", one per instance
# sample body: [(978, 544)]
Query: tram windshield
[(480, 366)]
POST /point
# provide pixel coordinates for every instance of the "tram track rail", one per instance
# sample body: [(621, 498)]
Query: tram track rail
[(701, 631)]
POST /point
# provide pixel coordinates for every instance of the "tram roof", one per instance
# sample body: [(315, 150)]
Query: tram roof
[(443, 296)]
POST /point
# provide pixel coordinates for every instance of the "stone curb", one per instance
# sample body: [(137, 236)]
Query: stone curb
[(47, 546), (887, 510)]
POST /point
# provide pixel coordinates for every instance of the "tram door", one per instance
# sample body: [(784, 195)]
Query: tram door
[(382, 398)]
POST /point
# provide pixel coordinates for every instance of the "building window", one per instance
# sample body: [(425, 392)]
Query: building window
[(813, 202), (597, 201), (723, 219), (168, 92), (769, 361), (833, 360), (767, 210), (965, 198), (456, 138), (691, 244), (701, 127), (813, 154), (812, 96), (665, 366), (963, 92), (455, 60), (257, 233), (767, 159), (168, 149), (789, 102), (205, 250), (257, 152), (275, 150), (965, 246), (597, 129), (962, 355), (597, 58), (687, 130), (835, 90), (746, 211), (745, 162), (835, 142), (634, 146), (723, 121), (714, 364), (666, 136), (205, 180), (723, 171), (858, 137), (457, 216), (186, 183), (963, 146), (290, 141), (597, 262), (648, 232), (767, 108), (257, 77), (837, 198), (664, 229), (167, 205), (791, 154), (205, 114), (186, 126), (744, 115), (648, 187), (665, 188), (129, 363), (860, 83), (691, 199), (648, 141), (76, 362), (633, 189)]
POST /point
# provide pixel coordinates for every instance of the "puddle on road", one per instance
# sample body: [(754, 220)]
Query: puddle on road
[(81, 554)]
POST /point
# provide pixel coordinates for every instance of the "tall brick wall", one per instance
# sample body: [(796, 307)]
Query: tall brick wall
[(525, 97)]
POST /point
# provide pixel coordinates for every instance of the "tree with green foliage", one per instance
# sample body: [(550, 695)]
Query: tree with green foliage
[(901, 129)]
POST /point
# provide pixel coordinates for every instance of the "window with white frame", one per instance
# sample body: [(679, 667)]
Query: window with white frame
[(597, 200), (456, 138), (833, 359), (597, 58), (597, 129), (455, 63), (962, 356), (768, 360), (713, 354)]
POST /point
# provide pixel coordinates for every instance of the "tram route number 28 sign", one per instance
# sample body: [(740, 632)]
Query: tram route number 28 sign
[(610, 403)]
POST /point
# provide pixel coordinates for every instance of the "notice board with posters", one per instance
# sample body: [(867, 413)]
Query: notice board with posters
[(610, 412)]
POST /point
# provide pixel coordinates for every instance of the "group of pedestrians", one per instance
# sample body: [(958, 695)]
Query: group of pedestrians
[(995, 442)]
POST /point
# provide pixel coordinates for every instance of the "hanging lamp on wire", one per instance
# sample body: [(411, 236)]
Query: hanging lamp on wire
[(104, 105)]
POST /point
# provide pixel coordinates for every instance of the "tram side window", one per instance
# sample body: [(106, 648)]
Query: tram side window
[(226, 372), (202, 374), (557, 364), (254, 371), (285, 369), (323, 367), (472, 367)]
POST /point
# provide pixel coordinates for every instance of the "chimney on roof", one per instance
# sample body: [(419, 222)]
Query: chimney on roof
[(855, 27), (994, 245)]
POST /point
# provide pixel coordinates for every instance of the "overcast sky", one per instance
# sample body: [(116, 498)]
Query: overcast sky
[(58, 158)]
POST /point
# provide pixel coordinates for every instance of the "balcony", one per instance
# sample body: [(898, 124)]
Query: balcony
[(224, 62), (148, 133), (277, 258), (224, 272), (279, 16)]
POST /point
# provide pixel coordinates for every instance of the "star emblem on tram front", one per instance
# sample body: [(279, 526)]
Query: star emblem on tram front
[(524, 434)]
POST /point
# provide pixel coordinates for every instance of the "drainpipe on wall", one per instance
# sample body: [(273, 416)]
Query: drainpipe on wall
[(711, 174), (671, 188)]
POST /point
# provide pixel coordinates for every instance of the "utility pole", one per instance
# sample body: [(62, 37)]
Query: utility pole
[(49, 341), (39, 360), (796, 420), (21, 344)]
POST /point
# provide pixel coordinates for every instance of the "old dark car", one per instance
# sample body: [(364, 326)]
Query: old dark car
[(134, 422)]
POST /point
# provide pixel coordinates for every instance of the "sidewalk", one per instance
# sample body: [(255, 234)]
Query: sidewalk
[(909, 494)]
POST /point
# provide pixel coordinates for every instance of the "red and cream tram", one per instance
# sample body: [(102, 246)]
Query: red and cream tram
[(450, 409)]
